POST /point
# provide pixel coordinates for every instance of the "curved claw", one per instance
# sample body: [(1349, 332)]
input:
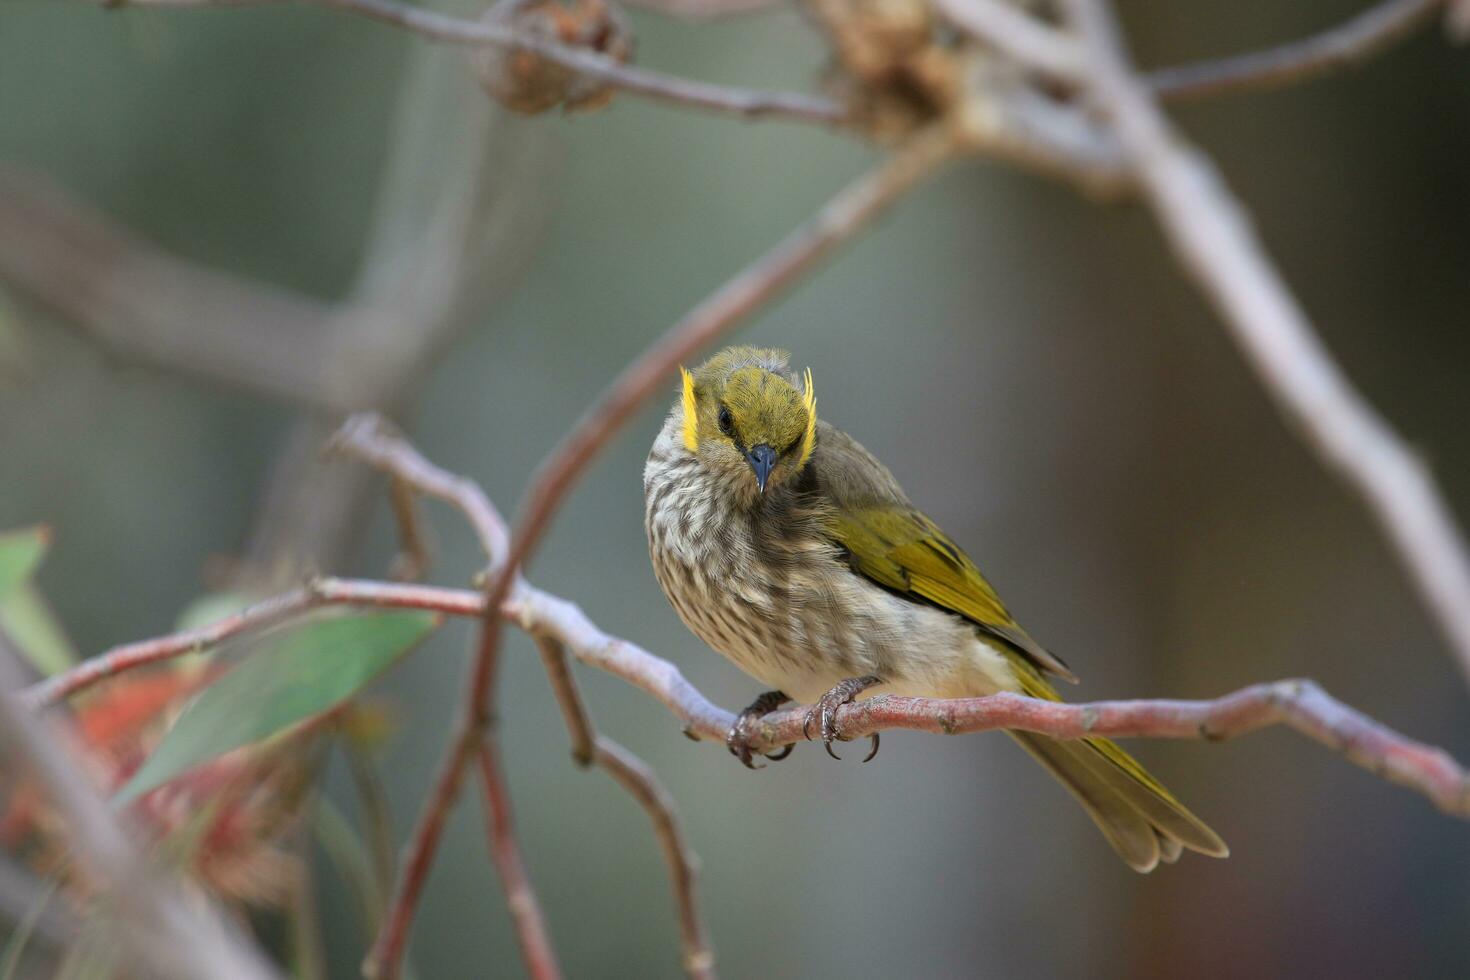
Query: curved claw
[(825, 710), (736, 742), (785, 751), (874, 750)]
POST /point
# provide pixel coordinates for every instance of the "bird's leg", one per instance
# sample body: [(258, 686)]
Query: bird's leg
[(825, 711), (745, 728)]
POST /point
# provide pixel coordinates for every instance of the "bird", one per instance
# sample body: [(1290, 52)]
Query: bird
[(787, 547)]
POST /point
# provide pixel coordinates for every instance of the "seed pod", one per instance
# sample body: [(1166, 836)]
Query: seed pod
[(526, 82)]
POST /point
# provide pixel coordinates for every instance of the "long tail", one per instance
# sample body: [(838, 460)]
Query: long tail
[(1142, 820)]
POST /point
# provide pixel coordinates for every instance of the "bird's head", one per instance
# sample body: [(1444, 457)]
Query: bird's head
[(746, 420)]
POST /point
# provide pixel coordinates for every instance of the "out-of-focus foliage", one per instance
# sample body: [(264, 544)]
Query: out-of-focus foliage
[(311, 670)]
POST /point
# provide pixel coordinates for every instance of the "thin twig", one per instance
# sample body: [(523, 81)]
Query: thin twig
[(414, 552), (505, 851), (1343, 46), (1213, 239), (256, 618), (639, 779), (638, 81), (385, 959), (702, 10), (569, 700), (1300, 705), (635, 776)]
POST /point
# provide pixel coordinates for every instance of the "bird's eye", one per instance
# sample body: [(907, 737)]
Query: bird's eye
[(727, 423)]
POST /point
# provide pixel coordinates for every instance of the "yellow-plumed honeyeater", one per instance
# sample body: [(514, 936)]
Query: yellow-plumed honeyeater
[(790, 549)]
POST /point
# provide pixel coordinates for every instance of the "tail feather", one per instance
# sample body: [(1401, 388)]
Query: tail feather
[(1141, 820)]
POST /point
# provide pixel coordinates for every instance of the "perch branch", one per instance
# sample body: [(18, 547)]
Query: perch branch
[(1343, 46), (637, 81), (1300, 705), (1214, 241)]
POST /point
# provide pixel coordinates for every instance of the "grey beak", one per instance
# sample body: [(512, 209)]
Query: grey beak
[(762, 460)]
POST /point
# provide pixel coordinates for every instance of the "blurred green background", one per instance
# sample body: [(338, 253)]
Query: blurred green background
[(1032, 366)]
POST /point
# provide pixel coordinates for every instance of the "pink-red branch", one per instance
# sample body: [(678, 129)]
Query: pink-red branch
[(1300, 705), (525, 909)]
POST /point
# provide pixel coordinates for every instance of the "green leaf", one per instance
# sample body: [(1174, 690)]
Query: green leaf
[(20, 553), (315, 668), (27, 620)]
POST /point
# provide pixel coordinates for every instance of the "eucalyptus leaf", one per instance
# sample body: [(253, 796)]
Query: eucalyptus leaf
[(20, 553), (310, 670), (28, 622)]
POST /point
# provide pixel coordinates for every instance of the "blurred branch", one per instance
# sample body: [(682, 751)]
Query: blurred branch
[(1022, 37), (1297, 704), (1214, 241), (637, 81), (706, 9), (139, 302), (1055, 55), (458, 214), (159, 931), (1343, 46)]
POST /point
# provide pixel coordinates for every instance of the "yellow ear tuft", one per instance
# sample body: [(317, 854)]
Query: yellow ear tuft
[(691, 411), (809, 397)]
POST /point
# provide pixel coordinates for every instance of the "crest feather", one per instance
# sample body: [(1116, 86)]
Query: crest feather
[(809, 398), (691, 411)]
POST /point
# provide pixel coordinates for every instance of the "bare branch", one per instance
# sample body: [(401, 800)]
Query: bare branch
[(140, 302), (1300, 705), (160, 932), (385, 959), (1339, 47), (371, 439), (1213, 239), (637, 81), (505, 851)]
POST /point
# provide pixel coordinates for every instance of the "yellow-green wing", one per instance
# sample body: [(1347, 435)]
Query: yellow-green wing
[(902, 550)]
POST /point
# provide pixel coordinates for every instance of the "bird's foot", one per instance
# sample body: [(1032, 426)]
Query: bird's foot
[(824, 712), (747, 727)]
